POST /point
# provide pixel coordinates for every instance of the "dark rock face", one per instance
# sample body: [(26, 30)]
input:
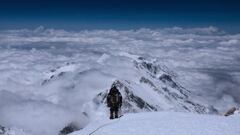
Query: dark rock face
[(53, 77), (150, 67), (168, 79), (130, 98), (2, 130), (231, 111), (69, 129), (147, 81)]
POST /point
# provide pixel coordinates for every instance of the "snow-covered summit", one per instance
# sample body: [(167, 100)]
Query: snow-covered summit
[(164, 123)]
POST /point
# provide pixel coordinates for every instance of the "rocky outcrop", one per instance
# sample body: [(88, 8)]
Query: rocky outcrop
[(69, 129), (232, 111), (11, 131), (52, 77), (2, 130)]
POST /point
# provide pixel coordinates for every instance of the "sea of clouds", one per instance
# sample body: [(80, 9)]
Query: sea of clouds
[(206, 61)]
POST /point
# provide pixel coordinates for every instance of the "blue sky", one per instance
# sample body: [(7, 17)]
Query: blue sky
[(121, 14)]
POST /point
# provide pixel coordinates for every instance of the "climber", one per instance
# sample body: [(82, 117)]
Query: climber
[(114, 102)]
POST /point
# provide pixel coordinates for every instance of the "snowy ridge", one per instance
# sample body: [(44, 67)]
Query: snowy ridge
[(149, 87), (155, 91), (164, 123)]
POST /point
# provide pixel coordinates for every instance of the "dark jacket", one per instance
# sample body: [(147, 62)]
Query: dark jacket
[(114, 98)]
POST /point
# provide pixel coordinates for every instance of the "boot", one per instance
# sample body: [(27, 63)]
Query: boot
[(111, 115), (116, 114)]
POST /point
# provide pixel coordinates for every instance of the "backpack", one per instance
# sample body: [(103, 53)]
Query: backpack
[(114, 98)]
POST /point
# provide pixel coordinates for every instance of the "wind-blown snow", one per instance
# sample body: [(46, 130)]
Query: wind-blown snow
[(55, 73), (164, 123)]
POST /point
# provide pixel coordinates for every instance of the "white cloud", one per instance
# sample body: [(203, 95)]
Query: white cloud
[(203, 58), (230, 42)]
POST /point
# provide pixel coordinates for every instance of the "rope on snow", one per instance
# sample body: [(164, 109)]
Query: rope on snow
[(104, 125)]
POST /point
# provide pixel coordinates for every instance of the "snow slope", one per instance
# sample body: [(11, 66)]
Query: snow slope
[(165, 123)]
